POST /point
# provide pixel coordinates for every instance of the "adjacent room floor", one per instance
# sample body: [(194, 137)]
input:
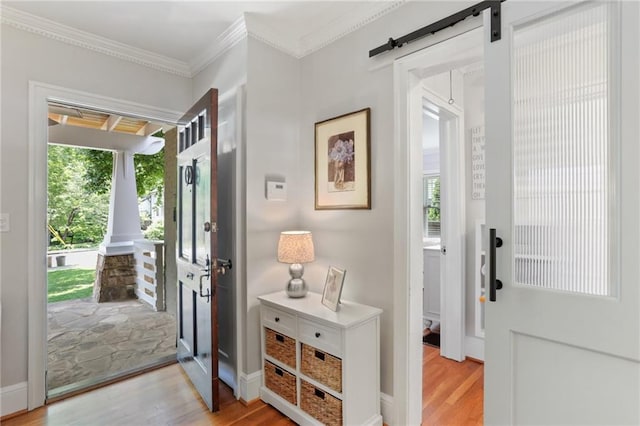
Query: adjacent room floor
[(88, 340)]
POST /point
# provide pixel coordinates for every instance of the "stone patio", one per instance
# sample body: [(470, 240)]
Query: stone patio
[(88, 340)]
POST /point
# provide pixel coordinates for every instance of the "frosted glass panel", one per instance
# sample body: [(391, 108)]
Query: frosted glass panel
[(562, 147)]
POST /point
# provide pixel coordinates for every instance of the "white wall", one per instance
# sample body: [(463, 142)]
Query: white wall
[(226, 73), (273, 144), (26, 57), (338, 79)]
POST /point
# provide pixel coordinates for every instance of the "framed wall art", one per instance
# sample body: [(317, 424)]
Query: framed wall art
[(343, 162), (333, 288)]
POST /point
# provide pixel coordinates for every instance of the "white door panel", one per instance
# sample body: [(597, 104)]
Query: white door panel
[(563, 337)]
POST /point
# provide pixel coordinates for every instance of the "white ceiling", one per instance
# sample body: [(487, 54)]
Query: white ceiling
[(184, 31)]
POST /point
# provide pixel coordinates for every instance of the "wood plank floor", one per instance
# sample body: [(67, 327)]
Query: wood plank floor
[(162, 397), (452, 392), (452, 395)]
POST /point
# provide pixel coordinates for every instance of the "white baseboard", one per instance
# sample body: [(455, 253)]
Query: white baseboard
[(13, 398), (474, 347), (250, 385), (386, 408)]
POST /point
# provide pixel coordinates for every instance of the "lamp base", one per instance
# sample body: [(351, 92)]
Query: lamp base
[(296, 287)]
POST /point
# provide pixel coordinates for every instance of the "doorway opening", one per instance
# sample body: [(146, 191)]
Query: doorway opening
[(453, 209), (110, 312), (431, 67)]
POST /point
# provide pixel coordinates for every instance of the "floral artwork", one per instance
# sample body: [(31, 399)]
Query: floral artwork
[(341, 163)]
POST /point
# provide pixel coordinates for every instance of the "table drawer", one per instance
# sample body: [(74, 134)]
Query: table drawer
[(323, 337), (279, 321)]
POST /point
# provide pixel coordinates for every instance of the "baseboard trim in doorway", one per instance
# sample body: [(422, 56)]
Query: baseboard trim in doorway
[(474, 348), (386, 408), (250, 386), (13, 400), (87, 385)]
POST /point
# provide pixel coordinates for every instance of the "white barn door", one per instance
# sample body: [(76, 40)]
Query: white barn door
[(563, 193)]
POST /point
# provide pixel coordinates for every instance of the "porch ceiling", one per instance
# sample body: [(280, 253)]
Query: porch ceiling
[(81, 117)]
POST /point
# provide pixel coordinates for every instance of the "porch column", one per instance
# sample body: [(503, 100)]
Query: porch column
[(124, 218)]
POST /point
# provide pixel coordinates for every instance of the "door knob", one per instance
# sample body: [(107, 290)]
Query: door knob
[(223, 265)]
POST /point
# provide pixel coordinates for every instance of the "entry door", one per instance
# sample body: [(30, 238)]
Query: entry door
[(197, 247), (562, 153)]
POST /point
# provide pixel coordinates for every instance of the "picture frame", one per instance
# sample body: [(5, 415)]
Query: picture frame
[(333, 288), (343, 162)]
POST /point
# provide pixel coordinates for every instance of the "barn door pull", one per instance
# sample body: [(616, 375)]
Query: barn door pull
[(494, 284)]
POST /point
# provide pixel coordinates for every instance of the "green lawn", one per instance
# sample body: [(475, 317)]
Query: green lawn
[(69, 284)]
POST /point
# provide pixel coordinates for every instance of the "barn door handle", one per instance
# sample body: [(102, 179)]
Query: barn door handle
[(494, 284)]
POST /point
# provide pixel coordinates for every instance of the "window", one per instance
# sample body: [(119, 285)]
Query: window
[(563, 151), (431, 208)]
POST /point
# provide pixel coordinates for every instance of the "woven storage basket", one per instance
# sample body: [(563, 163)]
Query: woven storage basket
[(319, 365), (280, 381), (320, 405), (281, 347)]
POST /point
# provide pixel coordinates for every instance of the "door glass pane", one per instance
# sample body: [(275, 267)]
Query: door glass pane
[(562, 150), (203, 207), (186, 212)]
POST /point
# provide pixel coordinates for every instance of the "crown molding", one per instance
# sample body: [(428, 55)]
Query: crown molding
[(236, 32), (258, 29), (247, 25), (345, 25), (65, 34)]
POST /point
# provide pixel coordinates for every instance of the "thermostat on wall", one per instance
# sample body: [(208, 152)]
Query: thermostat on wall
[(276, 191)]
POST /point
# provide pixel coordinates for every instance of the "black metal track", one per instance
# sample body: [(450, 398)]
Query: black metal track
[(447, 22)]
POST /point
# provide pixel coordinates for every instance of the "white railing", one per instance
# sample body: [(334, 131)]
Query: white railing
[(149, 257)]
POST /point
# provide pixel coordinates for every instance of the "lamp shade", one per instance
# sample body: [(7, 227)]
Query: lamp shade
[(295, 247)]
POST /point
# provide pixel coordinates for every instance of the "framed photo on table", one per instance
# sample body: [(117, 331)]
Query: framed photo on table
[(333, 288), (343, 162)]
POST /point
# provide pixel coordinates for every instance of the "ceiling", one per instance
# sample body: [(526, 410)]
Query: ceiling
[(91, 119), (189, 34)]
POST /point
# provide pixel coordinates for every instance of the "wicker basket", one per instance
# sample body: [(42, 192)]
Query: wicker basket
[(280, 381), (280, 347), (319, 365), (320, 405)]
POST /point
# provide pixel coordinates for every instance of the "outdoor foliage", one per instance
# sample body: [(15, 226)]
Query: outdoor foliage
[(155, 231), (433, 210), (76, 213), (79, 190), (69, 284), (149, 171)]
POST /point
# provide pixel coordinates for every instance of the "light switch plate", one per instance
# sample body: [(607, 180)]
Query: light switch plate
[(4, 222)]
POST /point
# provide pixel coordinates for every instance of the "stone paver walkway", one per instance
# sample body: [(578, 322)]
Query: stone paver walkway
[(87, 340)]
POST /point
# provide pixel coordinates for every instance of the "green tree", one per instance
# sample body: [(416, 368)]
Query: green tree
[(76, 213), (149, 171), (434, 208)]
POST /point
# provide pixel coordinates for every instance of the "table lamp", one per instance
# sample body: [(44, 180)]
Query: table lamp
[(296, 248)]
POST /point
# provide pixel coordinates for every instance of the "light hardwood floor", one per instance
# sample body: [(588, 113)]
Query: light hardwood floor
[(452, 395), (452, 392)]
